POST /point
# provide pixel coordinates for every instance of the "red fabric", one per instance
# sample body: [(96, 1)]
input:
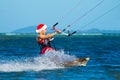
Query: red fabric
[(40, 26), (47, 48), (41, 41)]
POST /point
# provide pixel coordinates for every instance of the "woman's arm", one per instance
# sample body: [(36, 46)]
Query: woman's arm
[(48, 35)]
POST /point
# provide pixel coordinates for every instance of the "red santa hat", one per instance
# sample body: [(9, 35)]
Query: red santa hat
[(40, 27)]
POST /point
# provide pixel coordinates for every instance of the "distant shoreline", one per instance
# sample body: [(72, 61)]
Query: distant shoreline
[(82, 34)]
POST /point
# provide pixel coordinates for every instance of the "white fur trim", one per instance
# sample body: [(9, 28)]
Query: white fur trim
[(43, 28)]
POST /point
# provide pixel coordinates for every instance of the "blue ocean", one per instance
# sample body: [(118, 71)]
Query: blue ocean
[(20, 58)]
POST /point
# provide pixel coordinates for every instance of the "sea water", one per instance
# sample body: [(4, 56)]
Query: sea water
[(20, 58)]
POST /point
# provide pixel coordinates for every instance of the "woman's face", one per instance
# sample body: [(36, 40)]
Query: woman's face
[(44, 31)]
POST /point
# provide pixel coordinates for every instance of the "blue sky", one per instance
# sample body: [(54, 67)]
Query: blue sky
[(15, 14)]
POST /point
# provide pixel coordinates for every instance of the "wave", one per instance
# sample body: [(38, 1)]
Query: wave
[(47, 61)]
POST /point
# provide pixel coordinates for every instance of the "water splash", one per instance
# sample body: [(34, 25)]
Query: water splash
[(47, 61)]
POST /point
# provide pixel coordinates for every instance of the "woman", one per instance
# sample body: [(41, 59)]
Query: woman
[(44, 39)]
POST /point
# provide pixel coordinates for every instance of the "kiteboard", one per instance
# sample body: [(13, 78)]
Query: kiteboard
[(78, 62)]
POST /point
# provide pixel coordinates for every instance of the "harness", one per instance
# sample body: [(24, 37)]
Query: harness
[(44, 43)]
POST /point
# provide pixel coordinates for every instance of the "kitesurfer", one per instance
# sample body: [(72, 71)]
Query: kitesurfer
[(45, 39)]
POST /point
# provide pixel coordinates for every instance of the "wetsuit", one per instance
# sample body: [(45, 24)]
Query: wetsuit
[(44, 45)]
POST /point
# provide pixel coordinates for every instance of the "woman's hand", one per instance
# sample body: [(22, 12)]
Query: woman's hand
[(58, 31)]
